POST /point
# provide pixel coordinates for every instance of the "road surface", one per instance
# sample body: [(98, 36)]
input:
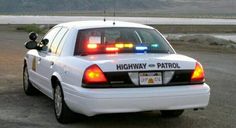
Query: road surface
[(20, 111)]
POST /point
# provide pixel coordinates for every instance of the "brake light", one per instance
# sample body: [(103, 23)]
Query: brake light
[(93, 74), (198, 73)]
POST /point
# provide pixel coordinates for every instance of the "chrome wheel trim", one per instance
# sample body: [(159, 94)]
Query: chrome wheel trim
[(58, 101)]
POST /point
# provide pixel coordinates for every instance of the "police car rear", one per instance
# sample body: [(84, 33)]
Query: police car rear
[(135, 69)]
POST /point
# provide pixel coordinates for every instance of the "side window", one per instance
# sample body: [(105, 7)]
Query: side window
[(57, 40), (51, 35), (63, 40)]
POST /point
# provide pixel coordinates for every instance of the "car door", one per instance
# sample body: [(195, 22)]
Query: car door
[(48, 58), (43, 59), (33, 66)]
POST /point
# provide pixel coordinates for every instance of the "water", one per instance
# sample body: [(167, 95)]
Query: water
[(226, 36), (8, 19)]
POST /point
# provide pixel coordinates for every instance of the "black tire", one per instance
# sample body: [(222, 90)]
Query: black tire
[(171, 113), (63, 113), (29, 89)]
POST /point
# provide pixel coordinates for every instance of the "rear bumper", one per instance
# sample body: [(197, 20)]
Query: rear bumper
[(119, 100)]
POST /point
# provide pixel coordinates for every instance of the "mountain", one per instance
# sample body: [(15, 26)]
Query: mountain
[(158, 7)]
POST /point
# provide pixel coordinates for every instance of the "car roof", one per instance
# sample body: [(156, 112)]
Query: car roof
[(101, 24)]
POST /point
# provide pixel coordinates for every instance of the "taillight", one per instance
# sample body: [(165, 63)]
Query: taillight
[(198, 74), (93, 74)]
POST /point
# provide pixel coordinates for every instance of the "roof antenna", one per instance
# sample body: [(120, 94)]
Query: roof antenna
[(114, 13), (104, 15)]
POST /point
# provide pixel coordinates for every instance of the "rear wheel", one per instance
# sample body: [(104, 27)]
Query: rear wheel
[(62, 112), (171, 113), (27, 86)]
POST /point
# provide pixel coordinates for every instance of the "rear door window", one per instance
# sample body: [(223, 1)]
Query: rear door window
[(63, 41), (51, 36), (58, 39)]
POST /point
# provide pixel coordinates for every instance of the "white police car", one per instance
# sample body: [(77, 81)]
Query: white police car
[(98, 67)]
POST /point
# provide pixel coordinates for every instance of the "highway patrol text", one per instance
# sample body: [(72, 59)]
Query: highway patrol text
[(168, 65), (131, 66)]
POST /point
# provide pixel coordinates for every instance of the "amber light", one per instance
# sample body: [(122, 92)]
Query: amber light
[(92, 46), (121, 45), (128, 45), (93, 74), (198, 73), (112, 49)]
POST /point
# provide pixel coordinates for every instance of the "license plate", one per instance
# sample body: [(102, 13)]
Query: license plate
[(150, 78)]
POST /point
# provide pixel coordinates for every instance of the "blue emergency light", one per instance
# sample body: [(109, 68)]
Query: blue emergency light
[(141, 48)]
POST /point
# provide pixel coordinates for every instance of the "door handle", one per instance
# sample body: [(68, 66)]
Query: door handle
[(39, 60)]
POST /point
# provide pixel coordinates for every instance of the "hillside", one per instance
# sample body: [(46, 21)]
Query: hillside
[(156, 7)]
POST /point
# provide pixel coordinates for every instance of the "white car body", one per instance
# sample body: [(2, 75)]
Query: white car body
[(44, 66)]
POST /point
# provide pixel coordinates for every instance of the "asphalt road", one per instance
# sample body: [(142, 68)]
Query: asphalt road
[(20, 111)]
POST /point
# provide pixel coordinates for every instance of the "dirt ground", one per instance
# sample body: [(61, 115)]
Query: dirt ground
[(20, 111)]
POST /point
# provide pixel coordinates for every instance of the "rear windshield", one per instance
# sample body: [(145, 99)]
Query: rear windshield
[(120, 40)]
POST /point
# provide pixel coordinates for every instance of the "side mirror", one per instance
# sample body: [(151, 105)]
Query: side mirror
[(31, 45), (45, 42), (33, 36)]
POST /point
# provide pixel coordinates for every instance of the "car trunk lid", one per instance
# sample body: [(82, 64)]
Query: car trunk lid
[(141, 62)]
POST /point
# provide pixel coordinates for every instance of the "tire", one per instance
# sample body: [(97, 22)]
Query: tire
[(29, 89), (62, 112), (171, 113)]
